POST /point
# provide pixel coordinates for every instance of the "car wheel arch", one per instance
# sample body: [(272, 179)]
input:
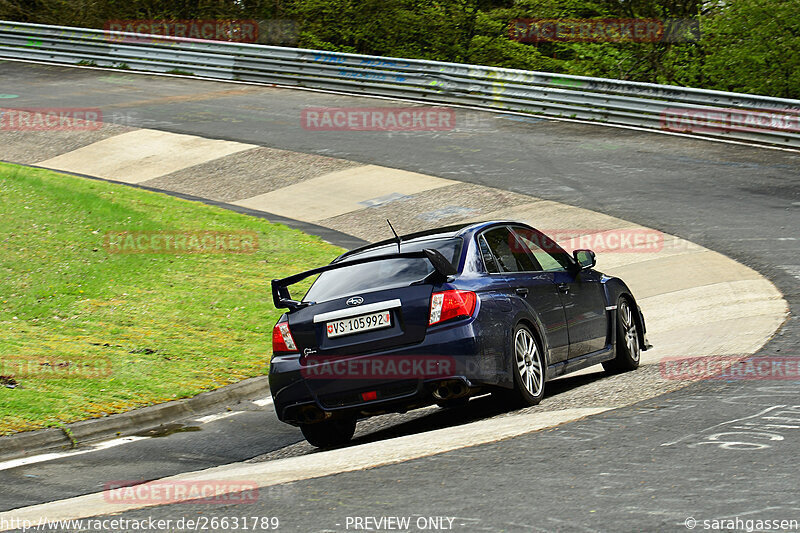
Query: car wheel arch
[(640, 332), (614, 288), (536, 329)]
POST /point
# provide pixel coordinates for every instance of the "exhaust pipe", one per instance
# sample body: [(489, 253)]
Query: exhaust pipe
[(311, 415), (441, 392), (448, 390)]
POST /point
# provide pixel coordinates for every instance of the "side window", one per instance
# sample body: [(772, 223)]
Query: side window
[(510, 255), (488, 257), (547, 253)]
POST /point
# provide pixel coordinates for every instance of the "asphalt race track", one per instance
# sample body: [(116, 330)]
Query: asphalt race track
[(711, 450)]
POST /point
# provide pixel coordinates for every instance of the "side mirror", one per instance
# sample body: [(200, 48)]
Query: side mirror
[(584, 258)]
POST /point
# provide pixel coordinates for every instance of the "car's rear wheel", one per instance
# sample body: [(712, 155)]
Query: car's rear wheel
[(329, 433), (529, 368), (628, 351)]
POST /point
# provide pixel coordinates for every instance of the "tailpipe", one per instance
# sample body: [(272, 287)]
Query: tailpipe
[(311, 415), (450, 389)]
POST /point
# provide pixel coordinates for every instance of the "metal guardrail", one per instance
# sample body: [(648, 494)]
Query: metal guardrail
[(752, 118)]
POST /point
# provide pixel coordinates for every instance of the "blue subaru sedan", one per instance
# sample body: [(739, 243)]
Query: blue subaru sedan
[(440, 316)]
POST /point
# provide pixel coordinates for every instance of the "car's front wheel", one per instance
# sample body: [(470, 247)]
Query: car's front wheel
[(628, 350), (329, 433)]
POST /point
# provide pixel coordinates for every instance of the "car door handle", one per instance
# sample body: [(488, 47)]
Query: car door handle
[(522, 291), (563, 287)]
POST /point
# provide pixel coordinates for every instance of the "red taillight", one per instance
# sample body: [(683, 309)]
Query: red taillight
[(282, 340), (369, 396), (451, 304)]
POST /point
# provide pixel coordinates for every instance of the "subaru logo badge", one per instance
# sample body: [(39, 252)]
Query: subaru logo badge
[(355, 300)]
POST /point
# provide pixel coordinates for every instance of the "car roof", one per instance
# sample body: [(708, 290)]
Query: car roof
[(456, 230)]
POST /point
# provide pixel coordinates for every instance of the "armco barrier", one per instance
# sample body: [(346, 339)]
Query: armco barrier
[(752, 118)]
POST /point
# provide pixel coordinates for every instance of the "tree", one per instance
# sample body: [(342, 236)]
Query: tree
[(753, 46), (404, 28)]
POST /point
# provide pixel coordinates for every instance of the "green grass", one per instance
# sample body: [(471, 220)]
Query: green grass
[(170, 326)]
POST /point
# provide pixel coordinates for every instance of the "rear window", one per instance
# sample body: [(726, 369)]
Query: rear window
[(386, 274)]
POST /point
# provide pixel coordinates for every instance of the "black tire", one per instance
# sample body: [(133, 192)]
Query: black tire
[(627, 348), (529, 368), (329, 433)]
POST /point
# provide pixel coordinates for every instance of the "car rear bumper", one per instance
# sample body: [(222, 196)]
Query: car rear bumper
[(311, 388)]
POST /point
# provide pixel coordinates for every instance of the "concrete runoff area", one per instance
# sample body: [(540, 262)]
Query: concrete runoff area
[(246, 174), (141, 155), (750, 331), (341, 192), (30, 147)]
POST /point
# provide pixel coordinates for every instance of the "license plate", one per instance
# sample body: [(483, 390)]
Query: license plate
[(357, 324)]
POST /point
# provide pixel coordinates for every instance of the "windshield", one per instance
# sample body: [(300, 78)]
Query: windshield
[(384, 274)]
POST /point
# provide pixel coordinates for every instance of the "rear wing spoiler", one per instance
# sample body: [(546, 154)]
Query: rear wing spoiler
[(280, 287)]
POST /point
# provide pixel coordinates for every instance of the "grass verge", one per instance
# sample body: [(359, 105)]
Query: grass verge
[(88, 332)]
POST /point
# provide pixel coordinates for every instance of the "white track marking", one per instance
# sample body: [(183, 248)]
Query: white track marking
[(24, 461), (219, 416), (759, 414), (263, 402)]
